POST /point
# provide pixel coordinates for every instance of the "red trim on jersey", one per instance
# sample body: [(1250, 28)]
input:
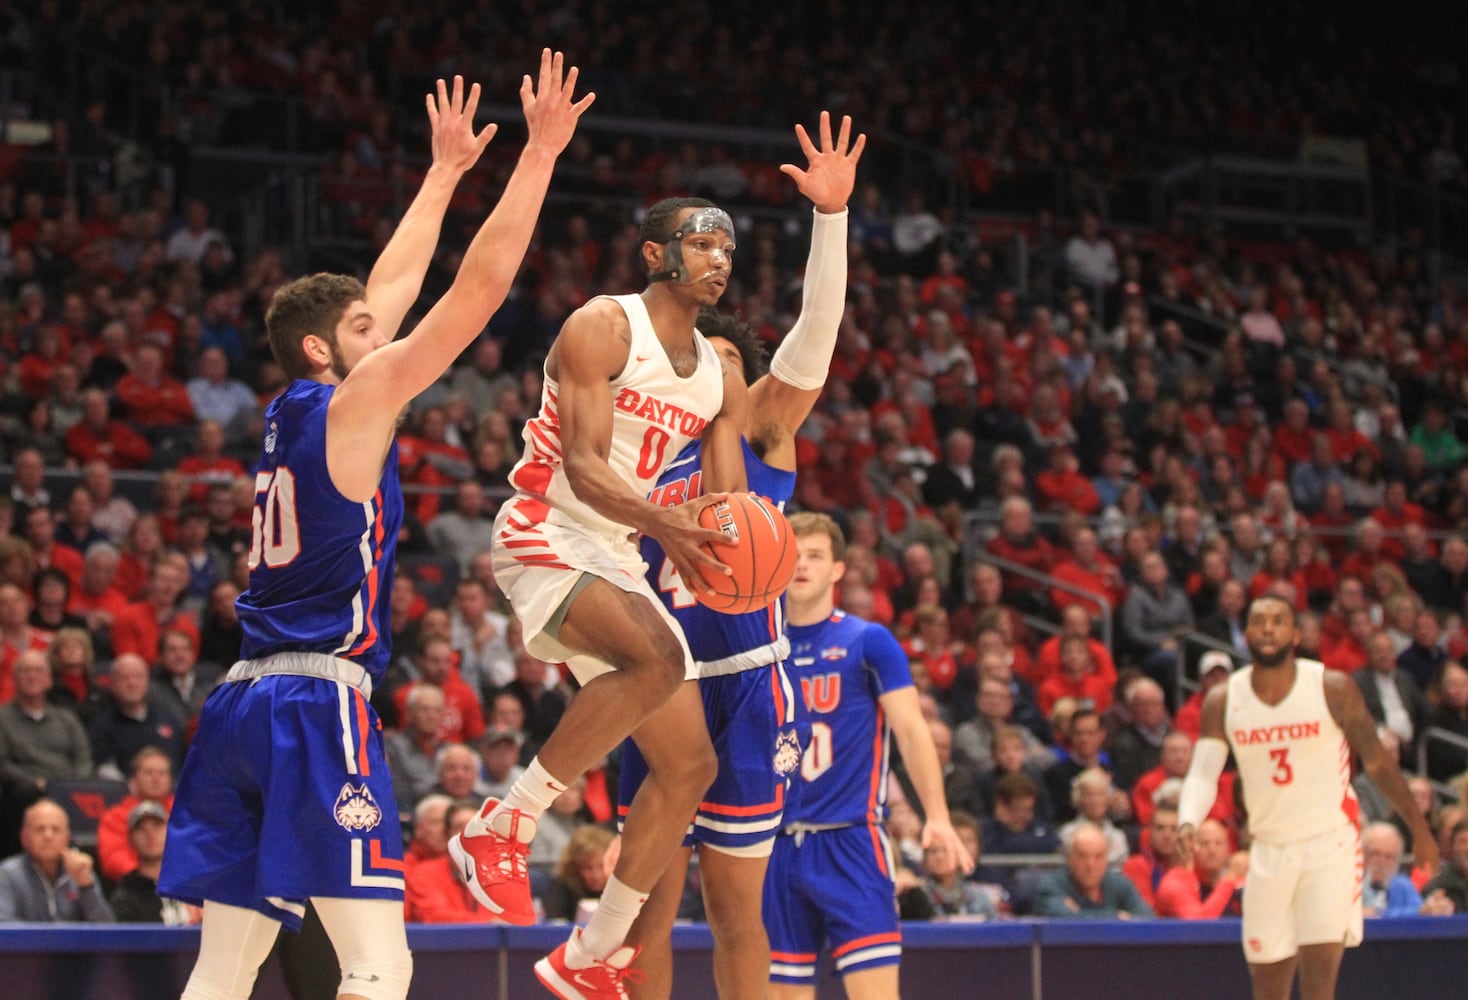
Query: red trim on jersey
[(533, 477), (777, 691), (891, 937), (723, 810), (376, 860), (544, 438), (534, 510), (876, 778), (373, 579), (877, 849), (531, 558), (800, 957), (520, 543), (363, 767)]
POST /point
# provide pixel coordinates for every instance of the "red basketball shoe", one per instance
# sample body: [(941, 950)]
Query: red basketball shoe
[(603, 980), (496, 867)]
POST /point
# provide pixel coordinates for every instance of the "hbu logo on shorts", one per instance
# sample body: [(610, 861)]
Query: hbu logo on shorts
[(787, 752), (356, 809)]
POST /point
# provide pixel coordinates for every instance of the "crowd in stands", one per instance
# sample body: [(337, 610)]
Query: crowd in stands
[(1037, 474)]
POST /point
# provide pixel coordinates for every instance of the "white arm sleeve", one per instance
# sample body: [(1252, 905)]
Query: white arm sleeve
[(804, 357), (1200, 787)]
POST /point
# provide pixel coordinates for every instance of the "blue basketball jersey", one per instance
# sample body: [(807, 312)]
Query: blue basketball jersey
[(713, 635), (321, 566), (843, 665)]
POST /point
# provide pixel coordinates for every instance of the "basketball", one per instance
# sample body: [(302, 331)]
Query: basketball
[(760, 551)]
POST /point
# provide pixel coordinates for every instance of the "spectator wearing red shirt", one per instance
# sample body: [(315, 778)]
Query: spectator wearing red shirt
[(1177, 755), (435, 891), (96, 597), (1077, 679), (931, 645), (1279, 565), (428, 459), (208, 465), (1394, 514), (986, 599), (1207, 884), (150, 779), (1214, 667), (463, 718), (1074, 621), (1019, 542), (16, 635), (139, 626), (1345, 439), (1292, 438), (40, 531), (150, 397), (1062, 487), (98, 436), (430, 832), (1348, 652), (1090, 569)]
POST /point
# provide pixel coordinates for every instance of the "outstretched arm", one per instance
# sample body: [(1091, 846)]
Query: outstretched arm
[(723, 454), (365, 406), (781, 400), (397, 277), (1349, 711)]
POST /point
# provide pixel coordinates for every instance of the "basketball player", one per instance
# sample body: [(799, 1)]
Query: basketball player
[(748, 701), (1292, 726), (285, 795), (830, 881), (628, 383)]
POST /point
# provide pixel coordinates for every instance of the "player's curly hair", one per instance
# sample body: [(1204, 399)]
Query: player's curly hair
[(309, 306), (752, 350)]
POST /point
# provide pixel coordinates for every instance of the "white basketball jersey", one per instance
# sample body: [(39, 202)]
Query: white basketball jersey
[(655, 412), (1293, 758)]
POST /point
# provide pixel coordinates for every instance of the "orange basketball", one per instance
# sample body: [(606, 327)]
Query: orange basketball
[(760, 551)]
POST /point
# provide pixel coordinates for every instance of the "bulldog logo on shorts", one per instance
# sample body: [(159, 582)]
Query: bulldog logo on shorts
[(356, 809), (787, 752)]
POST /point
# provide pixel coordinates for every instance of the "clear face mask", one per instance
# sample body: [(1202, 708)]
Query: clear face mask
[(698, 236)]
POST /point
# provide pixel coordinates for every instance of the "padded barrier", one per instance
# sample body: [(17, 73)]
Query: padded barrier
[(1419, 956)]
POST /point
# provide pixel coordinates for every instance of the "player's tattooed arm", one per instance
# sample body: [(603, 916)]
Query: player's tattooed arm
[(1349, 710)]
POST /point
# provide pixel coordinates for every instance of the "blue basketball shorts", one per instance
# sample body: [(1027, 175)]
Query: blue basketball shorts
[(285, 795), (831, 888), (751, 719)]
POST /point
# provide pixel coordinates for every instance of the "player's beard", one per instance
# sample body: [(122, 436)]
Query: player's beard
[(1277, 659), (338, 363)]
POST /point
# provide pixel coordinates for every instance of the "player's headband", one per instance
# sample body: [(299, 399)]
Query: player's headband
[(703, 220)]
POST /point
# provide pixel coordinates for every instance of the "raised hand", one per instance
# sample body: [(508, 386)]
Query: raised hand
[(550, 113), (831, 175), (452, 119)]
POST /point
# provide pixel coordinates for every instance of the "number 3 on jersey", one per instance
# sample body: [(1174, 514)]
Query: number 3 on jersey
[(1283, 773), (275, 536)]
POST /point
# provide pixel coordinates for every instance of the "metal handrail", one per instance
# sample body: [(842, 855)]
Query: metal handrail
[(1018, 569)]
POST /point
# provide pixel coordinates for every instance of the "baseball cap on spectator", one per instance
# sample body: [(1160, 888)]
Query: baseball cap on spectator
[(500, 734), (147, 809), (1215, 659)]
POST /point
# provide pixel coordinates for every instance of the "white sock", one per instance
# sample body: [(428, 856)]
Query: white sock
[(607, 930), (532, 795)]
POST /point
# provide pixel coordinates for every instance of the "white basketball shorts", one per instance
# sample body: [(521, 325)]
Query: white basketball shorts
[(538, 564), (1303, 892)]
